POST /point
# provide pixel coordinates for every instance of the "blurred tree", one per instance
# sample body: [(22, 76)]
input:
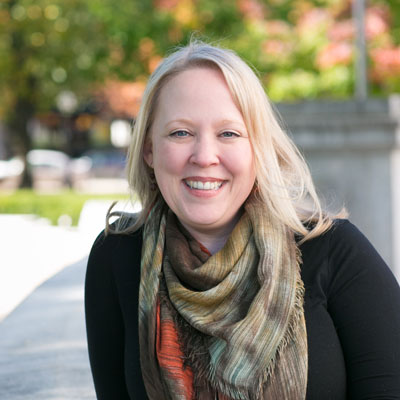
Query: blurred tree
[(55, 52), (46, 47)]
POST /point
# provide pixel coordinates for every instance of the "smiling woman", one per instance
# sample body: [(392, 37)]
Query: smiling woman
[(232, 283), (200, 150)]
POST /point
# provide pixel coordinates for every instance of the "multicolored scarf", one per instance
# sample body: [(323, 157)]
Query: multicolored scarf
[(224, 326)]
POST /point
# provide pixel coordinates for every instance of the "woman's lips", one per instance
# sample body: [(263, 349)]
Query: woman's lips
[(203, 186)]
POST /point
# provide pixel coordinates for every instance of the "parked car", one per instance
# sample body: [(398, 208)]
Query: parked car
[(104, 163), (11, 168), (49, 167)]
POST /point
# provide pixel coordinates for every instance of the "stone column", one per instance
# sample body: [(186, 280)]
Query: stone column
[(353, 150)]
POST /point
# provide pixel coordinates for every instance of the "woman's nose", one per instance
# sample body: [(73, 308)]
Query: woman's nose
[(205, 152)]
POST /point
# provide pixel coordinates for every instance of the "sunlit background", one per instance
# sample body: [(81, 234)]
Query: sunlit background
[(72, 72)]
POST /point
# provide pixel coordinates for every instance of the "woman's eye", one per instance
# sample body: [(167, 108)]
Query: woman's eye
[(180, 134), (229, 134)]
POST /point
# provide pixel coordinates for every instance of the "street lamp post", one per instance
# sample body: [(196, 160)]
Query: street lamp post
[(361, 89)]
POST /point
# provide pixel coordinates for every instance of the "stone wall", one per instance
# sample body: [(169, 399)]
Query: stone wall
[(353, 150)]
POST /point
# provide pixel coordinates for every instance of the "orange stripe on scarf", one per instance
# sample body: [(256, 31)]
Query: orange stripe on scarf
[(170, 356), (205, 250)]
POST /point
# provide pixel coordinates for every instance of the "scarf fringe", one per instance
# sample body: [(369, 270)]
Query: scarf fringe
[(257, 390)]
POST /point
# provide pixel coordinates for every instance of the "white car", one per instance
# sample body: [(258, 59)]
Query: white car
[(48, 165), (11, 168)]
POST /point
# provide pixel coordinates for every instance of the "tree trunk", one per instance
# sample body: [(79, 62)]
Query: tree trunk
[(24, 106), (23, 112)]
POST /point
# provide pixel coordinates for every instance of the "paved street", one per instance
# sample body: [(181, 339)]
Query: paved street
[(43, 352), (31, 251)]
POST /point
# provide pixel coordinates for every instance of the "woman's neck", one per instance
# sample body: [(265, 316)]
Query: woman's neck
[(213, 239), (211, 243)]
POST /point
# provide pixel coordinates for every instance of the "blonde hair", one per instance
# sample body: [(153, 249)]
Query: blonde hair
[(283, 179)]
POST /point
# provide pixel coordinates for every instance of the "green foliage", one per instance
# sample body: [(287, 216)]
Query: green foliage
[(47, 46), (50, 206)]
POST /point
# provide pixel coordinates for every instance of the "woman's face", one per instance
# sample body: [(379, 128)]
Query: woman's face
[(200, 150)]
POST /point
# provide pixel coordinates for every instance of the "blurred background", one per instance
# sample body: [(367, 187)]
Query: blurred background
[(72, 74)]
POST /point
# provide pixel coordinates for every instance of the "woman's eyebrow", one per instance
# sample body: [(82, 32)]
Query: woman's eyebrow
[(231, 121), (179, 120), (224, 121)]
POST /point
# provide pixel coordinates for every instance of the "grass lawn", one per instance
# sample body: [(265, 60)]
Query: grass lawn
[(50, 206)]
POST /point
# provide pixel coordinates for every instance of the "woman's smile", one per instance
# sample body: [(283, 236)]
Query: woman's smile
[(204, 186)]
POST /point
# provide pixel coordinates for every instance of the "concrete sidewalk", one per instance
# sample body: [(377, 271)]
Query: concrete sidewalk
[(43, 351), (31, 250)]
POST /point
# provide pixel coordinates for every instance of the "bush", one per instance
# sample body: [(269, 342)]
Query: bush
[(50, 206)]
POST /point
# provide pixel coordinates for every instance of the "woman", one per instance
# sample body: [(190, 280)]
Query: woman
[(233, 283)]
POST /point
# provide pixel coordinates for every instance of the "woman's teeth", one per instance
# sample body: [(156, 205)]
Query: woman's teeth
[(204, 185)]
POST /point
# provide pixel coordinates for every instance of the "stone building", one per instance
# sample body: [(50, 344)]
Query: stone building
[(353, 150)]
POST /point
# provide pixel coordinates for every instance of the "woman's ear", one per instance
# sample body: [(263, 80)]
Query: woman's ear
[(148, 152)]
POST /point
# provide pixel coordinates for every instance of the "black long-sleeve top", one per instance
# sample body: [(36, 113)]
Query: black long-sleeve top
[(351, 306)]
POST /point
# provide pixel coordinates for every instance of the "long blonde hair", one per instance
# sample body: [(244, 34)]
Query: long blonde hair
[(283, 179)]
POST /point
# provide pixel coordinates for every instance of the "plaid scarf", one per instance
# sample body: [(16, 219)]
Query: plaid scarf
[(224, 326)]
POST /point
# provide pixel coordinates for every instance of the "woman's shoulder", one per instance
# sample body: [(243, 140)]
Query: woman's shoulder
[(115, 255), (346, 243), (122, 230), (342, 255), (118, 241), (341, 235)]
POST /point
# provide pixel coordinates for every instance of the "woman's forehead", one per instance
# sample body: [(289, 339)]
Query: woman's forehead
[(200, 87)]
